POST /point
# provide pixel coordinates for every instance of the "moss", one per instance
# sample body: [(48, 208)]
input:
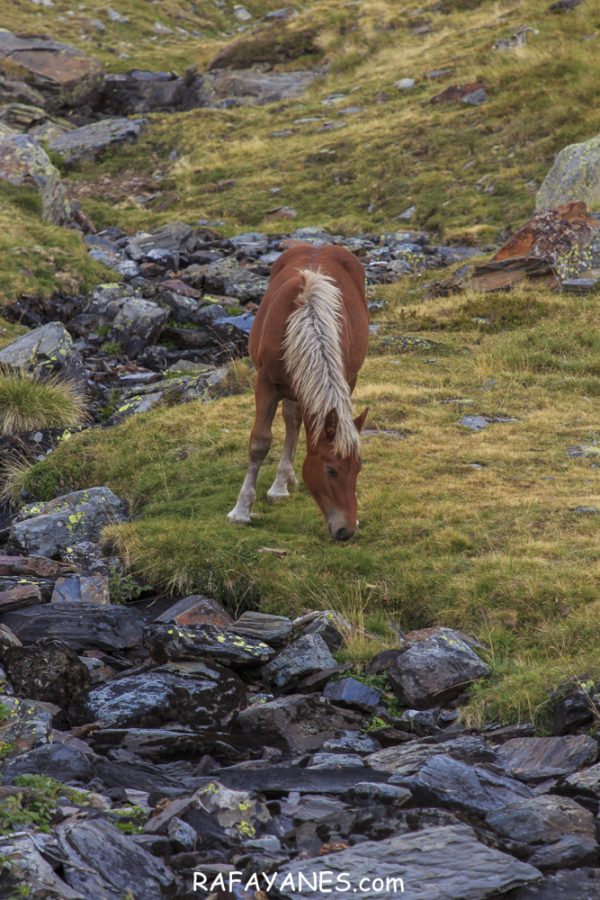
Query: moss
[(276, 44)]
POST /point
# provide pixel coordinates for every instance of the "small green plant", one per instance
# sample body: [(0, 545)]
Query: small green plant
[(112, 348), (124, 588)]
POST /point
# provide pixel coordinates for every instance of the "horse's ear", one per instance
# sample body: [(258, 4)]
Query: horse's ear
[(331, 424), (360, 420)]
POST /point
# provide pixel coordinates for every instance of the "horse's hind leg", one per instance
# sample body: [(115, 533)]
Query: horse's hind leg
[(260, 442), (286, 477)]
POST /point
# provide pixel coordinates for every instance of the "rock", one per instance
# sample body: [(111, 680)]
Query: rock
[(46, 350), (194, 642), (327, 623), (78, 625), (168, 743), (138, 323), (19, 596), (241, 87), (196, 610), (26, 869), (405, 84), (335, 761), (435, 669), (23, 162), (296, 724), (544, 820), (90, 141), (565, 885), (80, 516), (573, 176), (551, 246), (140, 91), (539, 758), (586, 780), (64, 76), (449, 783), (562, 6), (305, 656), (572, 705), (472, 93), (353, 742), (226, 277), (47, 670), (103, 862), (273, 630), (82, 589), (277, 780), (218, 814), (353, 693), (164, 245), (450, 856), (206, 697), (54, 760), (25, 725), (181, 835), (478, 423), (570, 850), (33, 565)]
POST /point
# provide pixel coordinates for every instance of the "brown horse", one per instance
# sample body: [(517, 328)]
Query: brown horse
[(308, 342)]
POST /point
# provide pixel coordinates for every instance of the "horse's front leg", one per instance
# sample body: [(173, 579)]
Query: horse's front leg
[(285, 477), (260, 443)]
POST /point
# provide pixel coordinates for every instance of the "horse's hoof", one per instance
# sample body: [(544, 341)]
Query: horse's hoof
[(236, 519), (274, 496)]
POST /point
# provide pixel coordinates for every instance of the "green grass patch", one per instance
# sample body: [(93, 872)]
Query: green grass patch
[(28, 403)]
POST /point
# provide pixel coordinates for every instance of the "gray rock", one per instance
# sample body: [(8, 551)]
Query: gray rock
[(91, 141), (103, 862), (327, 623), (24, 162), (82, 589), (242, 87), (380, 793), (54, 760), (81, 626), (181, 835), (25, 724), (273, 630), (162, 245), (449, 859), (138, 323), (352, 742), (27, 870), (307, 655), (405, 84), (225, 276), (575, 175), (46, 350), (166, 642), (545, 819), (207, 697), (335, 761), (454, 785), (296, 724), (48, 670), (435, 669), (353, 693), (538, 758), (565, 885), (570, 850), (62, 75), (587, 780), (46, 529)]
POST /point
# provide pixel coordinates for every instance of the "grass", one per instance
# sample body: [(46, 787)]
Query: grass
[(28, 403), (38, 259), (473, 530), (471, 172)]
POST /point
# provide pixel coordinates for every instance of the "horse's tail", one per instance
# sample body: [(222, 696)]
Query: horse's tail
[(320, 290)]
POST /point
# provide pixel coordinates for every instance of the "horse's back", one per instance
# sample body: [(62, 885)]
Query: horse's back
[(279, 302)]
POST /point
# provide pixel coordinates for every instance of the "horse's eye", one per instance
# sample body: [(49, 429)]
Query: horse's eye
[(331, 472)]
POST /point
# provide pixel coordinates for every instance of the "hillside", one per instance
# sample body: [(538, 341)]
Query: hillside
[(479, 530)]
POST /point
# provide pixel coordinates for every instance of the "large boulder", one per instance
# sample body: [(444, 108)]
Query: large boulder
[(46, 350), (444, 862), (575, 175), (62, 75), (91, 141), (24, 162), (48, 529)]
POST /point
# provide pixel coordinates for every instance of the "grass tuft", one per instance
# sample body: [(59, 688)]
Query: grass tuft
[(28, 403)]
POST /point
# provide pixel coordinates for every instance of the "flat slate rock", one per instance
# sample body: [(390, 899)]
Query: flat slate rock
[(569, 884), (586, 780), (49, 670), (166, 642), (274, 630), (276, 780), (103, 862), (454, 785), (90, 141), (446, 862), (307, 655), (544, 819), (79, 625), (538, 758)]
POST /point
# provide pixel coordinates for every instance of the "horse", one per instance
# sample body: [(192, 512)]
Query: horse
[(308, 342)]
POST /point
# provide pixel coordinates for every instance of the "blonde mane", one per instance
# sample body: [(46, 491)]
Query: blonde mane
[(312, 355)]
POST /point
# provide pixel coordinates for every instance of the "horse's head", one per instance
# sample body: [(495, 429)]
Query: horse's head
[(331, 478)]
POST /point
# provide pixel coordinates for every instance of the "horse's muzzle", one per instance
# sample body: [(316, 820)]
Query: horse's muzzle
[(343, 534)]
